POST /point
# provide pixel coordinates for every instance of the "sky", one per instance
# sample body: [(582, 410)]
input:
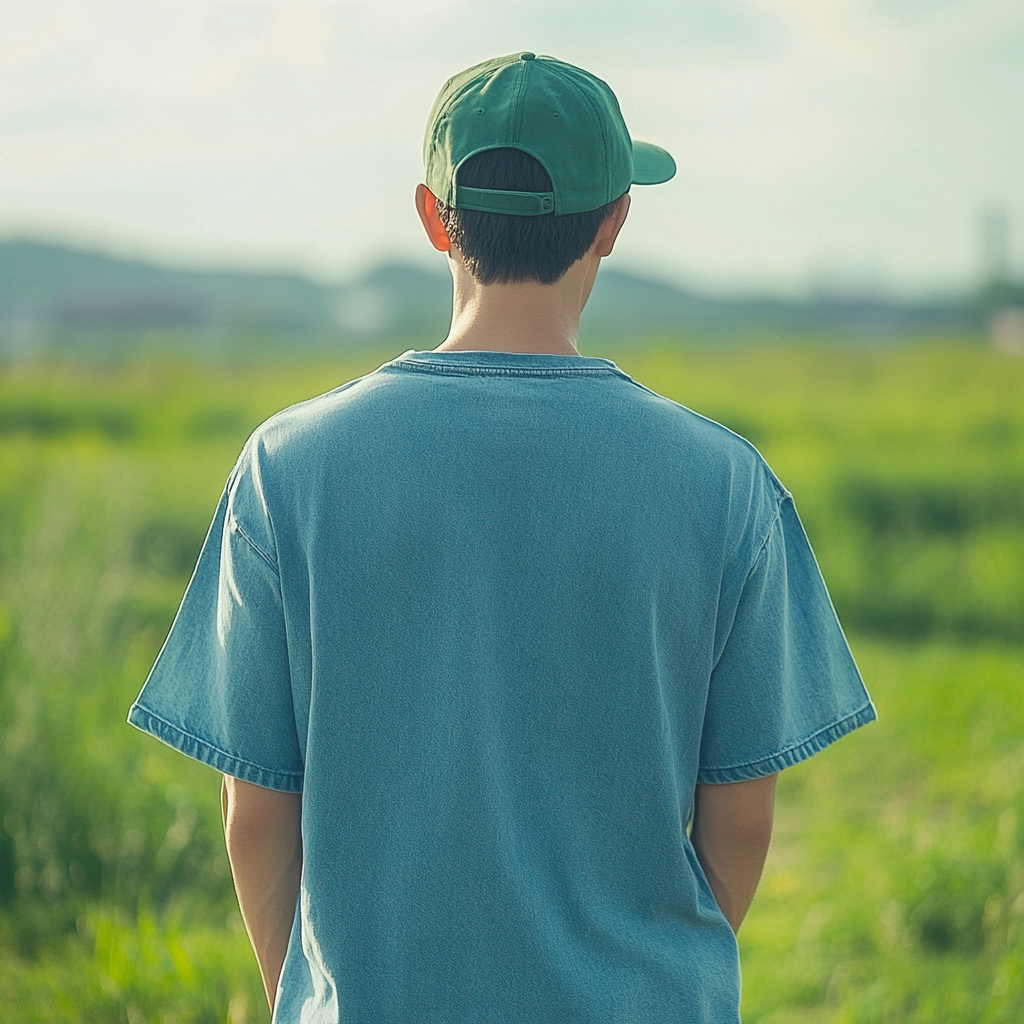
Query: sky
[(844, 145)]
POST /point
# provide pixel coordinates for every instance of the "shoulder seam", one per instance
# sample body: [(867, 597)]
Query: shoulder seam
[(780, 501), (259, 551), (781, 498), (781, 493)]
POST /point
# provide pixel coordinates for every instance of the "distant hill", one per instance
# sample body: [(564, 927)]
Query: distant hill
[(59, 286), (628, 305), (52, 295)]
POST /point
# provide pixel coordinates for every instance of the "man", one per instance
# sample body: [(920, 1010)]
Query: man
[(476, 637)]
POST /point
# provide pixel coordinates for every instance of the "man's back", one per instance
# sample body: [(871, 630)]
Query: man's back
[(495, 615)]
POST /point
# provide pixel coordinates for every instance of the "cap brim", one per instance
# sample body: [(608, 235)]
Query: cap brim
[(651, 164)]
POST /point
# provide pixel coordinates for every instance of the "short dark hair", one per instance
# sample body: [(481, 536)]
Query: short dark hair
[(502, 248)]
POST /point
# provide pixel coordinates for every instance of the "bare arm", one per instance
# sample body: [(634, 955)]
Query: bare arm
[(264, 841), (732, 827)]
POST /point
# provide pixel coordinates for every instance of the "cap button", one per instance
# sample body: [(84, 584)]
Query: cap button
[(527, 56)]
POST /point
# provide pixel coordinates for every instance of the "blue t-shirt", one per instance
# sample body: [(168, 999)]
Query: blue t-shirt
[(495, 615)]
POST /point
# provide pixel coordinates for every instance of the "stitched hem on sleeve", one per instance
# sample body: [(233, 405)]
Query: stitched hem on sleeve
[(200, 750), (791, 755)]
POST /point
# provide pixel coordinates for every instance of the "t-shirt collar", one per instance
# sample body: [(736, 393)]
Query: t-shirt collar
[(486, 358)]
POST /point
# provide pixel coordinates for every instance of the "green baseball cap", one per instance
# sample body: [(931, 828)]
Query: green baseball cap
[(563, 116)]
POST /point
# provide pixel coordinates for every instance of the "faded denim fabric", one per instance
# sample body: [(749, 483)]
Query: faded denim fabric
[(495, 615)]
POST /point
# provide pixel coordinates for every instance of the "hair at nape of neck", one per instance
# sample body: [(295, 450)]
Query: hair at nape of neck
[(500, 248)]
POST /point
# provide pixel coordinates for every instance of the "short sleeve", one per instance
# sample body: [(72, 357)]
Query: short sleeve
[(220, 690), (786, 684)]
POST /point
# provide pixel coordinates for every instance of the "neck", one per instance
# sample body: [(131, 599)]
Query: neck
[(527, 317)]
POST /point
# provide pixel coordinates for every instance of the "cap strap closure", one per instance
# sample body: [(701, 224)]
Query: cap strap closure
[(491, 200)]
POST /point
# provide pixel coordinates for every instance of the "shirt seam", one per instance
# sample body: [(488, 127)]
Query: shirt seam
[(179, 730), (481, 369), (807, 741), (259, 551), (780, 499), (767, 537)]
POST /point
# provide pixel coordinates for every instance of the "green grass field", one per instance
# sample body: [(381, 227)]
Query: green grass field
[(894, 890)]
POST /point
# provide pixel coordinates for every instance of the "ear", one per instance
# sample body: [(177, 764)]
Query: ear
[(426, 207), (604, 242)]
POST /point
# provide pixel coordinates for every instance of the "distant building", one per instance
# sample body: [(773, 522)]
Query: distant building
[(1006, 331)]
